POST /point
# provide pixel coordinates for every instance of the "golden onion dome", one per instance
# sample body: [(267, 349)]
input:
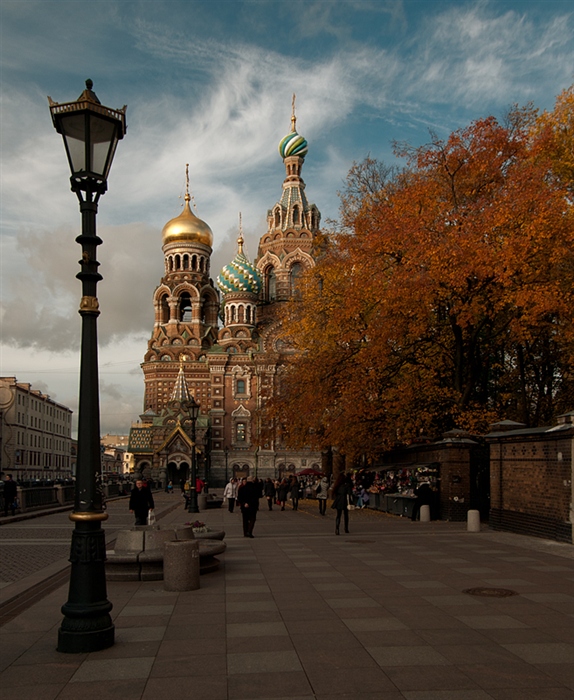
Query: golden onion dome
[(187, 227)]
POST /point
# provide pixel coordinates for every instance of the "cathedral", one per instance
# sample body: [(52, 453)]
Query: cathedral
[(218, 345)]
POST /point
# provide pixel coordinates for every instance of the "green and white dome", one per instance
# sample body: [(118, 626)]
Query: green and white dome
[(240, 275), (293, 145)]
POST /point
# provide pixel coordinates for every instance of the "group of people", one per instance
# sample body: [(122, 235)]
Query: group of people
[(247, 492)]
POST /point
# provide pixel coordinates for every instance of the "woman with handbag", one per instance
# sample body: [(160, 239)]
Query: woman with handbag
[(321, 489), (342, 491)]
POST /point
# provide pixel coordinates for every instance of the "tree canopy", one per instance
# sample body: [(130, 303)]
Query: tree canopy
[(445, 299)]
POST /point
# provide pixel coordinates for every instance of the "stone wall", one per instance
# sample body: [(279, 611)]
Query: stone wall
[(531, 480)]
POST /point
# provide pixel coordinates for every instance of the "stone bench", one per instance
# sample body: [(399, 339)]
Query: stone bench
[(138, 553), (213, 501)]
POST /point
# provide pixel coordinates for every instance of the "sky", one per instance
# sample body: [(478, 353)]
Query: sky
[(210, 83)]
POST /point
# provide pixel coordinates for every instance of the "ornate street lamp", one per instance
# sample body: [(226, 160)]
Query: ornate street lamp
[(91, 133), (193, 409)]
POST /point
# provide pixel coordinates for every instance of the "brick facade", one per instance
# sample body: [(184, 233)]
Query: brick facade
[(531, 480)]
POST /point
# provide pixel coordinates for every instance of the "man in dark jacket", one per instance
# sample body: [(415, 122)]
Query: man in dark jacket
[(10, 492), (141, 502), (248, 499)]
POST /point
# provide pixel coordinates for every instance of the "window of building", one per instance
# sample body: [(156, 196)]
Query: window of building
[(185, 308), (240, 432), (295, 275), (241, 386), (270, 283)]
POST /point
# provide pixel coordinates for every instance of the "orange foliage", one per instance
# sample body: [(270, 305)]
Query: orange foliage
[(447, 299)]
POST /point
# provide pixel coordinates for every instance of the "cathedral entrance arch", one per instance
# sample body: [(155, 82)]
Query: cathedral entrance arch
[(240, 470), (286, 469), (178, 472)]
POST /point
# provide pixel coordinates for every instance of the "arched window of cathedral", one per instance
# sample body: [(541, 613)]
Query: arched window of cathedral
[(185, 308), (277, 217), (241, 314), (200, 263), (177, 262), (240, 389), (303, 235), (186, 262), (194, 262), (240, 432), (163, 309), (233, 313), (295, 216), (170, 263), (248, 314), (270, 283), (296, 272)]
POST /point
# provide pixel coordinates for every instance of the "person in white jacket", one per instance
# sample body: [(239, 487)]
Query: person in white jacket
[(230, 492)]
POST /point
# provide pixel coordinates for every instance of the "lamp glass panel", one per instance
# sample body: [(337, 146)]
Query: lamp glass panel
[(102, 136), (74, 132)]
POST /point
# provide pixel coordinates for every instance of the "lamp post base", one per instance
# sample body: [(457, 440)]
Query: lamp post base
[(87, 625), (84, 641)]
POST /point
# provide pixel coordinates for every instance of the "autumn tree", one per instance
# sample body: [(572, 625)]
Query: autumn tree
[(446, 298)]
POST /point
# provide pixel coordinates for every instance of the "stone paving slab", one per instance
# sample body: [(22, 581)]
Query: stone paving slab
[(297, 612)]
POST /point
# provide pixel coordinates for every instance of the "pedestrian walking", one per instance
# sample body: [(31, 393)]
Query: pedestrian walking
[(10, 494), (141, 502), (342, 492), (282, 492), (230, 492), (248, 499), (294, 488), (269, 492), (321, 492)]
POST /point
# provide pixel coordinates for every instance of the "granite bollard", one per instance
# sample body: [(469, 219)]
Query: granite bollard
[(473, 521), (181, 565), (425, 514)]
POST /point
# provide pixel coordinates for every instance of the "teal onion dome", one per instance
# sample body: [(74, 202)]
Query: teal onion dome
[(293, 145), (239, 276)]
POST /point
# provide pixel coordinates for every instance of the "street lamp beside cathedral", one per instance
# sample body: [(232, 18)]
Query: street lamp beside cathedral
[(91, 133)]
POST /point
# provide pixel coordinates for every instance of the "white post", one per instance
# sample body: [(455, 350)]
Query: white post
[(473, 521), (425, 514)]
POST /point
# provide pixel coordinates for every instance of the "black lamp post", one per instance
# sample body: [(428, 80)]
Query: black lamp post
[(91, 133), (194, 413)]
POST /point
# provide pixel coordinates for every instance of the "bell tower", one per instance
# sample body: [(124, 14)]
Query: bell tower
[(286, 249), (186, 304)]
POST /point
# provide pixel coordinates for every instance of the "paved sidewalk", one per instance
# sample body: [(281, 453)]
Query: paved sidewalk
[(37, 545), (300, 613)]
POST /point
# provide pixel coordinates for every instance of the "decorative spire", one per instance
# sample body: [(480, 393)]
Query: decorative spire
[(293, 144), (188, 196), (240, 240), (181, 391)]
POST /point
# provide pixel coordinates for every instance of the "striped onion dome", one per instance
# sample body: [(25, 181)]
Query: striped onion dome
[(240, 275), (293, 145)]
